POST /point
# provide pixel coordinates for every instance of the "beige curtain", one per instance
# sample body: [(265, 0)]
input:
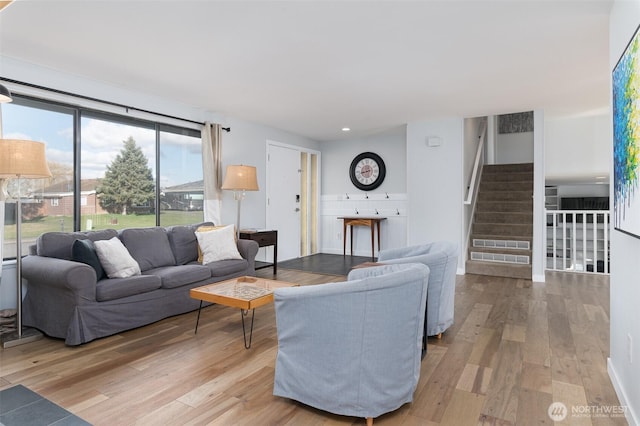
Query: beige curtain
[(212, 172)]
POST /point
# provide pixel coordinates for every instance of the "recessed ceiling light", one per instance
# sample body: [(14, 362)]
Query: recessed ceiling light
[(346, 129)]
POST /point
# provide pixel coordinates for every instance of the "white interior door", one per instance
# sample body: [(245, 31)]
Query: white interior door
[(283, 198)]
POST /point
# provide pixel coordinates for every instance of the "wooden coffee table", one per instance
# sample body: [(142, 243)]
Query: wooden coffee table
[(246, 293)]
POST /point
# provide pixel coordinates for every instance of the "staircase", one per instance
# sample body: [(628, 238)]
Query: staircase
[(502, 233)]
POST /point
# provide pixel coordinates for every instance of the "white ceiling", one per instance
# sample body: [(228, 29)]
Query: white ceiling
[(312, 67)]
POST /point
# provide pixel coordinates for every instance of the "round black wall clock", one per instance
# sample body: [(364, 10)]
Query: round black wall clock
[(367, 171)]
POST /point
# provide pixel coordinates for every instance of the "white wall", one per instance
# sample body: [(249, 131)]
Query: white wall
[(435, 182), (245, 144), (584, 140), (341, 198), (625, 252), (514, 148), (539, 252), (337, 156)]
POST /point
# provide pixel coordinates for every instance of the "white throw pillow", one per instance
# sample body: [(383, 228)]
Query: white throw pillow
[(218, 244), (115, 258)]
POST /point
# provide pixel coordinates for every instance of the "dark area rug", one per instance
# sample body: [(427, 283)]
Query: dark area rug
[(321, 263), (20, 406)]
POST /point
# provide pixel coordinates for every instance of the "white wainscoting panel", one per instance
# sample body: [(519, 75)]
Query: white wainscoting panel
[(393, 230)]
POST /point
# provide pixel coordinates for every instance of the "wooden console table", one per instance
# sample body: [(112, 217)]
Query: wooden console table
[(264, 238), (351, 221)]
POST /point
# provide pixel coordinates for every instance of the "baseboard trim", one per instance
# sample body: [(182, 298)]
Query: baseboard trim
[(538, 278), (630, 414)]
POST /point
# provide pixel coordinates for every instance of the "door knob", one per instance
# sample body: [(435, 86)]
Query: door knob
[(297, 209)]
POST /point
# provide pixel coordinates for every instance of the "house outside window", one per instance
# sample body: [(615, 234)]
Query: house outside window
[(78, 195)]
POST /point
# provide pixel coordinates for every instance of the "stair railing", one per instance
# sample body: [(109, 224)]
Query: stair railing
[(474, 184), (578, 241), (472, 188)]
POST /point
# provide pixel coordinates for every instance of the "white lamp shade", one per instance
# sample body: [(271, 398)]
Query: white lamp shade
[(23, 159), (241, 178)]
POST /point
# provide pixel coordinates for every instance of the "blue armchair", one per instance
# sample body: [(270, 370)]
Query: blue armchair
[(352, 348), (442, 259)]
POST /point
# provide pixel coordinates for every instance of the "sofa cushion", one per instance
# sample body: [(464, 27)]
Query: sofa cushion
[(177, 276), (117, 288), (218, 244), (148, 246), (184, 244), (115, 259), (227, 267), (85, 251), (59, 244)]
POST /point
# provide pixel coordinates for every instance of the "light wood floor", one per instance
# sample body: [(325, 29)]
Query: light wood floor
[(515, 347)]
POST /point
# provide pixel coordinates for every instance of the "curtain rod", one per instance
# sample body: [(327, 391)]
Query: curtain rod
[(89, 98)]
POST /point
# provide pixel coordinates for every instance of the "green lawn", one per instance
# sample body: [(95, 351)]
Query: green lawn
[(32, 228)]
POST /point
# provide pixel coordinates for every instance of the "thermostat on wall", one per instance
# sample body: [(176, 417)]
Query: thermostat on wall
[(434, 141)]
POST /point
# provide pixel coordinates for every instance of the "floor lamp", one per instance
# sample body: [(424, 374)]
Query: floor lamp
[(239, 179), (21, 159)]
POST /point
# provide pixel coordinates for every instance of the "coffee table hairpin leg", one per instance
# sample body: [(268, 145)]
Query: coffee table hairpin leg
[(243, 313), (198, 320)]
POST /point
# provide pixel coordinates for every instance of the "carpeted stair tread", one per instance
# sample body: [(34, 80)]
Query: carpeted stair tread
[(502, 168), (504, 211), (504, 206), (508, 177), (502, 229), (504, 217), (504, 195), (507, 186), (498, 269)]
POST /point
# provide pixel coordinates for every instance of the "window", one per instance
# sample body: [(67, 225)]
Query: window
[(118, 163), (53, 125), (181, 183), (157, 163)]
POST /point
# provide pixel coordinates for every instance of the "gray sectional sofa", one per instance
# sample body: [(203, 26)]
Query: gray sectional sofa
[(67, 299)]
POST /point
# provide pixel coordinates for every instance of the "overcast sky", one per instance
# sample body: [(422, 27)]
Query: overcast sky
[(101, 142)]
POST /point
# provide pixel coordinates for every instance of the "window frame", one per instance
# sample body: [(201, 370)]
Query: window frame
[(78, 112)]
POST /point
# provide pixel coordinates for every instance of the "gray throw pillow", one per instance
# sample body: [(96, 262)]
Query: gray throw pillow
[(85, 251)]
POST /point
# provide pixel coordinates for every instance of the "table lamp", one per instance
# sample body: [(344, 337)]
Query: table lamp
[(239, 179)]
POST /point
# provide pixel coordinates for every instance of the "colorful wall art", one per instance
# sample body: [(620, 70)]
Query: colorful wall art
[(626, 140)]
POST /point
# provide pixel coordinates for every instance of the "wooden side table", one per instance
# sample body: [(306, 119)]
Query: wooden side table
[(371, 222), (264, 239)]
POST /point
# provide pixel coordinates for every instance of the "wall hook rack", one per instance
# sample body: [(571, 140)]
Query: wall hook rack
[(398, 212), (386, 195), (366, 196), (347, 195), (357, 212)]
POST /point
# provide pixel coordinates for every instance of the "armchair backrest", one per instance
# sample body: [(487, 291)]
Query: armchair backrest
[(440, 256), (442, 259), (352, 348)]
